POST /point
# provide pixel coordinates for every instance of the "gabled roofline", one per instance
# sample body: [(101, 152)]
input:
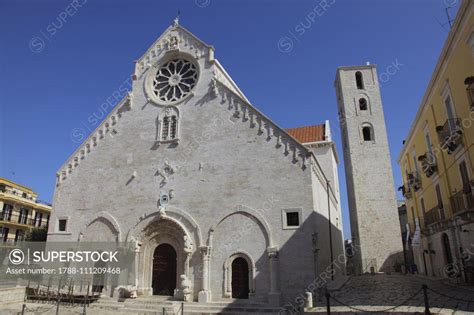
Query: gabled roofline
[(308, 152), (171, 28), (228, 77), (93, 133)]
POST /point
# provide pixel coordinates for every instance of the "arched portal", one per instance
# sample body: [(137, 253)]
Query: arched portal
[(164, 270), (240, 278)]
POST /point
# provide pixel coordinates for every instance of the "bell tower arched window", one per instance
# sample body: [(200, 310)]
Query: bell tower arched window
[(169, 124), (359, 80), (362, 103), (368, 132)]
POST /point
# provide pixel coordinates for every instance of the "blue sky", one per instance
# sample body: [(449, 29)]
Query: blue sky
[(60, 60)]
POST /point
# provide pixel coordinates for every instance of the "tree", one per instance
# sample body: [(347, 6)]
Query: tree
[(37, 235)]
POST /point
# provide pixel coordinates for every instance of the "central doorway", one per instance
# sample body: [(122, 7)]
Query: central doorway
[(164, 270), (240, 278)]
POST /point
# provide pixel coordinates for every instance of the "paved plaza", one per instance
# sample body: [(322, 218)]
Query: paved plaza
[(367, 294), (381, 292)]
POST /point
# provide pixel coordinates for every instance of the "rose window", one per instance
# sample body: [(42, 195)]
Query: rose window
[(175, 80)]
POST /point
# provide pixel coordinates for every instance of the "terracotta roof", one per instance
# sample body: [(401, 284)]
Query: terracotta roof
[(308, 133)]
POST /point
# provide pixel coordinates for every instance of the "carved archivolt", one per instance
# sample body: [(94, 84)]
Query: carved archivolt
[(104, 215), (257, 217), (181, 218)]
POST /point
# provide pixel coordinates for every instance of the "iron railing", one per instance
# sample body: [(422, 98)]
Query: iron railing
[(450, 134), (462, 201), (432, 216), (414, 181), (405, 191), (428, 163)]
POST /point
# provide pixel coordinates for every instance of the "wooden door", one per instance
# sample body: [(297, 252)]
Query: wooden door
[(164, 270), (240, 279)]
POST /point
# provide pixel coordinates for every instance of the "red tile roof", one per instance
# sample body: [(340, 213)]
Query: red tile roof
[(308, 133)]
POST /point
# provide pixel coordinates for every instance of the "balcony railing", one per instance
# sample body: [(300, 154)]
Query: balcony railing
[(462, 201), (428, 163), (413, 181), (405, 191), (432, 216), (450, 134), (14, 218)]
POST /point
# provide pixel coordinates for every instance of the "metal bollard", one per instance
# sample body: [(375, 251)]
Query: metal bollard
[(57, 306), (23, 309), (328, 303), (182, 308), (427, 304)]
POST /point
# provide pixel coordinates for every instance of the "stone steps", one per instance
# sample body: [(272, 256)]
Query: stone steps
[(147, 306)]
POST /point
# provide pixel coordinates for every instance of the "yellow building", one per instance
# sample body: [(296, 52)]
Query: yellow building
[(21, 211), (437, 160)]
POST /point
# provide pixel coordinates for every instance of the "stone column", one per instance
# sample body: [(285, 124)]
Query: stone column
[(205, 294), (137, 261), (274, 295)]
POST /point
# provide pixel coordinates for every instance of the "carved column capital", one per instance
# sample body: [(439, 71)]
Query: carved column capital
[(205, 251), (272, 252)]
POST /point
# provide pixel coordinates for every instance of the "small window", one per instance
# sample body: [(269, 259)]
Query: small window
[(62, 225), (24, 195), (362, 104), (291, 218), (165, 128), (368, 133), (169, 125), (359, 80)]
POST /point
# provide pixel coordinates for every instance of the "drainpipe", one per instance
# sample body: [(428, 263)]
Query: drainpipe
[(330, 231)]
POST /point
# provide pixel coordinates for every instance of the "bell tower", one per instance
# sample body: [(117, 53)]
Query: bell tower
[(372, 202)]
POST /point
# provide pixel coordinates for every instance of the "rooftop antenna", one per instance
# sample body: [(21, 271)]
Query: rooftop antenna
[(446, 9), (447, 14)]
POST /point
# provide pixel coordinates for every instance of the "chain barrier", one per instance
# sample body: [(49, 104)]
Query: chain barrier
[(73, 308), (39, 310), (451, 297), (377, 311)]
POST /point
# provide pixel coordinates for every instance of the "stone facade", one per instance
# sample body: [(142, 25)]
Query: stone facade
[(370, 187), (202, 170)]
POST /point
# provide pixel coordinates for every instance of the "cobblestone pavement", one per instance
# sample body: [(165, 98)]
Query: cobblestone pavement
[(379, 292)]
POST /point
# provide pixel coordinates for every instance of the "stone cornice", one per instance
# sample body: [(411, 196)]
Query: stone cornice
[(96, 137), (242, 107), (265, 126)]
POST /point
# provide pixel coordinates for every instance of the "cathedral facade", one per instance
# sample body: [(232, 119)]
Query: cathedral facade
[(220, 201)]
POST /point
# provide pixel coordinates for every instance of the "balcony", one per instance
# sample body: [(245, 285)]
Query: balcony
[(405, 191), (432, 216), (428, 164), (450, 135), (413, 181), (14, 219), (462, 201)]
